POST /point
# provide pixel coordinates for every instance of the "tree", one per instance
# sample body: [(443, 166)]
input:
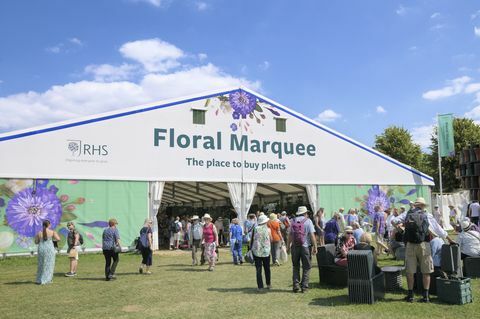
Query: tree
[(466, 134), (397, 143)]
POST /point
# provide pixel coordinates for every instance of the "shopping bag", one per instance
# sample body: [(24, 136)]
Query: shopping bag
[(282, 256), (249, 257)]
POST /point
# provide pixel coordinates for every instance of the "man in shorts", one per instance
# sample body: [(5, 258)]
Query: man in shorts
[(418, 251)]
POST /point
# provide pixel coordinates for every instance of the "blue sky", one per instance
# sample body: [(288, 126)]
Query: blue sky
[(356, 66)]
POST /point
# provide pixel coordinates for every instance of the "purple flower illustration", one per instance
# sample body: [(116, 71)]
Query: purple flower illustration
[(24, 242), (236, 115), (376, 197), (242, 102), (234, 127), (26, 211), (2, 202)]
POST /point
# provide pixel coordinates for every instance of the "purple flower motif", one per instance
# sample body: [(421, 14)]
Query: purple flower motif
[(2, 202), (26, 211), (41, 183), (24, 242), (376, 197), (53, 189), (242, 102), (236, 115), (234, 127)]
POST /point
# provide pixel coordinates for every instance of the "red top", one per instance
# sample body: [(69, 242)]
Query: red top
[(208, 234)]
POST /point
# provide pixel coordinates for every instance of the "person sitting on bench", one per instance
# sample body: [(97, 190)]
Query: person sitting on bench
[(469, 240), (345, 244)]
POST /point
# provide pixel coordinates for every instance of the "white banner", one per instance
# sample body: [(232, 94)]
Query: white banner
[(245, 138)]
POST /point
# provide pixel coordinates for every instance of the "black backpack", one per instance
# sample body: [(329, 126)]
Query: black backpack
[(416, 227)]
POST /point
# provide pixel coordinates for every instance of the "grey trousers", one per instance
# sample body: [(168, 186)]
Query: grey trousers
[(301, 254)]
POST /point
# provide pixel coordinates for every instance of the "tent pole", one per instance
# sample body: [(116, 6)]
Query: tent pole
[(439, 167)]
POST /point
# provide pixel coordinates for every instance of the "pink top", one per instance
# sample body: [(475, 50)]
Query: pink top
[(208, 234)]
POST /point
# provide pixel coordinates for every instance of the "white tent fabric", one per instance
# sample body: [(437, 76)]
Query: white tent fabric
[(241, 195), (155, 194), (460, 200), (312, 196)]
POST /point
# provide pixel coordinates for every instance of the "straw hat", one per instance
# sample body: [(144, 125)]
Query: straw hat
[(348, 229), (302, 210), (262, 220), (207, 216), (420, 201), (194, 217), (466, 224), (273, 216), (284, 213)]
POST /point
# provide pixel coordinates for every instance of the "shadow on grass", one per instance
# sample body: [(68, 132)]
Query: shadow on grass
[(250, 291), (188, 269), (333, 301), (15, 283)]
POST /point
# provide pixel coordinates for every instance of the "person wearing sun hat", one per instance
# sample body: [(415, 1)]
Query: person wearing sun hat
[(210, 241), (300, 238), (418, 250), (469, 240), (277, 239), (195, 238), (261, 249), (345, 244)]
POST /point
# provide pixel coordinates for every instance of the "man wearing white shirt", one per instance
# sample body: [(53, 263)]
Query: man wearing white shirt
[(474, 212)]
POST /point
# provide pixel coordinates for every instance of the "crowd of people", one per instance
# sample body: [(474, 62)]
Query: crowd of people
[(270, 237)]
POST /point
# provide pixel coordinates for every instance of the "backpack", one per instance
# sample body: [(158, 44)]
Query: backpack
[(416, 227), (144, 237), (298, 230), (177, 227)]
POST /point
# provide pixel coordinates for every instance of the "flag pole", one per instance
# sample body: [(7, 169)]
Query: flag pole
[(439, 167)]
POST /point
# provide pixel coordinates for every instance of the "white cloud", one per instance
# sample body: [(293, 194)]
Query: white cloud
[(202, 56), (154, 54), (435, 15), (380, 110), (328, 116), (476, 31), (110, 73), (472, 88), (454, 87), (401, 10), (264, 66), (76, 41), (437, 27), (474, 113), (111, 91), (421, 135), (201, 6), (155, 3), (475, 15), (54, 49)]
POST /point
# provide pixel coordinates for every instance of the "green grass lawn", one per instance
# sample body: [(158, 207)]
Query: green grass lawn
[(178, 290)]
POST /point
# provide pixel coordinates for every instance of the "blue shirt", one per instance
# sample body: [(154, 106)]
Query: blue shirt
[(331, 230), (308, 229), (109, 238), (436, 247), (357, 233), (236, 232)]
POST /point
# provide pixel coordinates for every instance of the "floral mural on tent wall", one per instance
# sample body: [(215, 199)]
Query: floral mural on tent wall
[(245, 109), (25, 204)]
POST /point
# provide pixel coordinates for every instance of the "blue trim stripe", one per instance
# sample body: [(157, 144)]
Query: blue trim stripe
[(109, 117), (349, 141)]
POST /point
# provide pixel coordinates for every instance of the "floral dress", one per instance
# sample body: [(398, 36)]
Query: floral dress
[(261, 241), (46, 261)]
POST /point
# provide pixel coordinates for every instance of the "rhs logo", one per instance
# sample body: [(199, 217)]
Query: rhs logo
[(78, 148)]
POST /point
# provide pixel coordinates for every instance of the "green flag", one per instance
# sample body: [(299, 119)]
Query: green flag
[(446, 146)]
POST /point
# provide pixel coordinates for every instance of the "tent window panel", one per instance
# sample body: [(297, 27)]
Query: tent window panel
[(198, 117), (281, 125)]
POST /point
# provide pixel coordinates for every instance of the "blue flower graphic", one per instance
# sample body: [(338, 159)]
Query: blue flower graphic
[(376, 197), (242, 102), (236, 115), (26, 211), (234, 127)]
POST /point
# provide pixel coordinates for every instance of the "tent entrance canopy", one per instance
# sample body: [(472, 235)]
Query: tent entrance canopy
[(257, 196)]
